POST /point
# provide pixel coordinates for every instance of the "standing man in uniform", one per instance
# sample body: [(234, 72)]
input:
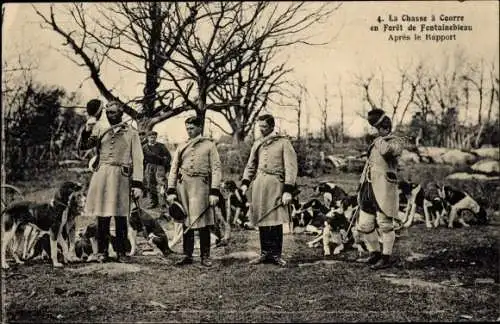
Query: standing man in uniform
[(195, 178), (118, 172), (272, 166), (378, 195), (156, 162)]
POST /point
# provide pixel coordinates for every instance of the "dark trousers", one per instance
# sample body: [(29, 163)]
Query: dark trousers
[(271, 240), (103, 234), (188, 242)]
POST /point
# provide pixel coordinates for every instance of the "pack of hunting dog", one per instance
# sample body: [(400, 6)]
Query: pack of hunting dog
[(136, 181)]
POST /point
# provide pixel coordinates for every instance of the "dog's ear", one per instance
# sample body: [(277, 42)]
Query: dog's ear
[(66, 189)]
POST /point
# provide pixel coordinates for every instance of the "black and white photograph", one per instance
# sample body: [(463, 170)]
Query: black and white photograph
[(250, 161)]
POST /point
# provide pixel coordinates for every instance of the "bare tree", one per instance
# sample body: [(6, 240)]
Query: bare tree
[(137, 37), (400, 99), (341, 95), (232, 65), (323, 107), (186, 52)]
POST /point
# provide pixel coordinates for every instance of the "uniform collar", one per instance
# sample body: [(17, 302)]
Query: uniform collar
[(271, 135)]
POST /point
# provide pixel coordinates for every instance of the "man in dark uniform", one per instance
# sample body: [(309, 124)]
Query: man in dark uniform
[(378, 195), (156, 163), (272, 166)]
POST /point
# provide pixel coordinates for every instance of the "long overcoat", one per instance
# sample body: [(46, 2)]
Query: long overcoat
[(381, 171), (120, 168), (195, 173), (272, 165)]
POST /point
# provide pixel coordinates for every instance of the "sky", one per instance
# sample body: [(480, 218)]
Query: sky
[(354, 52)]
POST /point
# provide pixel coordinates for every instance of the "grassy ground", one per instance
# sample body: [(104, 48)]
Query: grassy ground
[(439, 275)]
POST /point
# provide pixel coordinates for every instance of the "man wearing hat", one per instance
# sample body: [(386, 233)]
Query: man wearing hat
[(194, 179), (272, 166), (378, 194), (119, 173), (156, 162)]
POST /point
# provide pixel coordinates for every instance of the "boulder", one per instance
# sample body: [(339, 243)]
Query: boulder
[(337, 161), (488, 152), (432, 152), (471, 176), (408, 157), (487, 166), (457, 157)]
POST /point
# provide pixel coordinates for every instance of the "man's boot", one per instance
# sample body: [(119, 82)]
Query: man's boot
[(373, 258), (383, 263)]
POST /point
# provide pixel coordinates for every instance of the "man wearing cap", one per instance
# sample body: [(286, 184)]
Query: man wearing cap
[(119, 171), (195, 178), (156, 162), (272, 166), (378, 195)]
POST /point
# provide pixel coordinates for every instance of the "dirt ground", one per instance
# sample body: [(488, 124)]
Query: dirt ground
[(439, 275)]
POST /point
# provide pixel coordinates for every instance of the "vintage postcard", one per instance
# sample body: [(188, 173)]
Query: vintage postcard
[(250, 161)]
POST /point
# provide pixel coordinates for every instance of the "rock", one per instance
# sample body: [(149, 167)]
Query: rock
[(79, 170), (408, 157), (488, 281), (432, 153), (487, 166), (457, 157), (416, 257), (466, 317), (471, 176), (337, 162), (70, 162), (488, 152)]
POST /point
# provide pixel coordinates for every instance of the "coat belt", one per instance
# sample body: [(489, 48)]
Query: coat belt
[(194, 173), (113, 163), (271, 172)]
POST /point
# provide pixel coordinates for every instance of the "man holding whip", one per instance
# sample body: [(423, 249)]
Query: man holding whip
[(272, 166), (195, 177)]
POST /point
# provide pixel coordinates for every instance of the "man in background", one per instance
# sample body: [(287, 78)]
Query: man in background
[(156, 165)]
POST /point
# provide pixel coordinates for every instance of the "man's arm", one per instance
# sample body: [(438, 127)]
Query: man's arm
[(137, 161), (89, 139), (172, 175), (251, 167), (290, 165), (215, 167)]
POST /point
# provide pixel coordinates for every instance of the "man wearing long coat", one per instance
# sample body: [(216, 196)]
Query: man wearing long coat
[(118, 172), (194, 179), (272, 166), (378, 195)]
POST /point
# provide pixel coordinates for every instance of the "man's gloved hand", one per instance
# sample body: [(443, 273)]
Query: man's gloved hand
[(244, 189), (213, 200), (286, 198), (137, 192), (90, 123), (171, 198)]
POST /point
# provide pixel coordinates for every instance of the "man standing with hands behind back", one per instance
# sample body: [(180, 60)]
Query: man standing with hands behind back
[(273, 164), (195, 176)]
